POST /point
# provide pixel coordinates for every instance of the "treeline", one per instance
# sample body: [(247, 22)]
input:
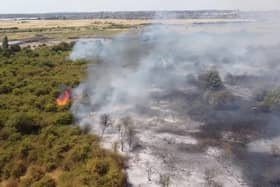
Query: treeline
[(187, 14), (39, 146)]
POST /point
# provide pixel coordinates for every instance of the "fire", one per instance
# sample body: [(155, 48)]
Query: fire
[(64, 98)]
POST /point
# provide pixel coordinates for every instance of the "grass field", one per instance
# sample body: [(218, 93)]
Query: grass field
[(67, 29), (33, 24)]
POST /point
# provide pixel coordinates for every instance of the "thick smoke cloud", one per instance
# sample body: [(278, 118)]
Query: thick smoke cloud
[(151, 75), (128, 66)]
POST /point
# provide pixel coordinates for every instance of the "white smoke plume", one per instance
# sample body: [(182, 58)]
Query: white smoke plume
[(126, 67), (147, 74)]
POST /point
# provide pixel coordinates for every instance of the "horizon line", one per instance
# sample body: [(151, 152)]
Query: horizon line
[(116, 11)]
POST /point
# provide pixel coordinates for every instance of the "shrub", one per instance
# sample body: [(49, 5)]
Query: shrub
[(50, 107), (211, 80), (24, 149), (275, 150), (4, 89), (31, 141), (1, 124), (65, 119), (45, 182), (63, 46), (12, 183), (100, 167), (35, 172), (272, 99), (222, 99), (5, 43), (78, 154), (23, 123), (15, 48), (18, 169)]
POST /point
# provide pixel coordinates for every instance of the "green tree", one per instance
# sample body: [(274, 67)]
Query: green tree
[(23, 123), (5, 43), (211, 80), (65, 118)]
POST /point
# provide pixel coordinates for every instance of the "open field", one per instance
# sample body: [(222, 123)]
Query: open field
[(68, 29), (63, 29), (35, 24)]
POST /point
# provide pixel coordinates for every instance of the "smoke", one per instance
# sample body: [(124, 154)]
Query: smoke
[(126, 68), (151, 73)]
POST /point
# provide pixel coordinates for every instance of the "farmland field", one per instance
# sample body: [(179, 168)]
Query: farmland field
[(69, 29)]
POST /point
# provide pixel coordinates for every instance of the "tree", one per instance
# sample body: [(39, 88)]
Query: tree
[(5, 43), (127, 133), (23, 123), (164, 180), (122, 137), (105, 122), (130, 133), (211, 80), (65, 118), (149, 171), (275, 150), (272, 100), (221, 99)]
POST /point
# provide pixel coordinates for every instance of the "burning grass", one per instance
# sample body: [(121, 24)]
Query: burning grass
[(64, 98)]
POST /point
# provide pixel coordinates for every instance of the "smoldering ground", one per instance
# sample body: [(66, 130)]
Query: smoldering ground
[(159, 77)]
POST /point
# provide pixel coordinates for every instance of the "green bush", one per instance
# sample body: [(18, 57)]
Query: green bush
[(15, 48), (50, 107), (5, 89), (63, 46), (101, 167), (23, 123), (272, 100), (35, 134), (211, 80), (5, 43), (222, 99), (65, 119), (18, 169)]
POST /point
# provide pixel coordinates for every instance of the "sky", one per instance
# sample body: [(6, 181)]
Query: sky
[(43, 6)]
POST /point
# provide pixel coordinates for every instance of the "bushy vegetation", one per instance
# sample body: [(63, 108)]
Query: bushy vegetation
[(221, 99), (271, 100), (211, 80), (38, 144), (213, 92)]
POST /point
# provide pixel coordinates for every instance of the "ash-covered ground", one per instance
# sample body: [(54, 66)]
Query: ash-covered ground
[(188, 105)]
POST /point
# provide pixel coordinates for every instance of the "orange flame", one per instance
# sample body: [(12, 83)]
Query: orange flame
[(64, 98)]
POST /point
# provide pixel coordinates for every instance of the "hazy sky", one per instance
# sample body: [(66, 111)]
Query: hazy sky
[(32, 6)]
